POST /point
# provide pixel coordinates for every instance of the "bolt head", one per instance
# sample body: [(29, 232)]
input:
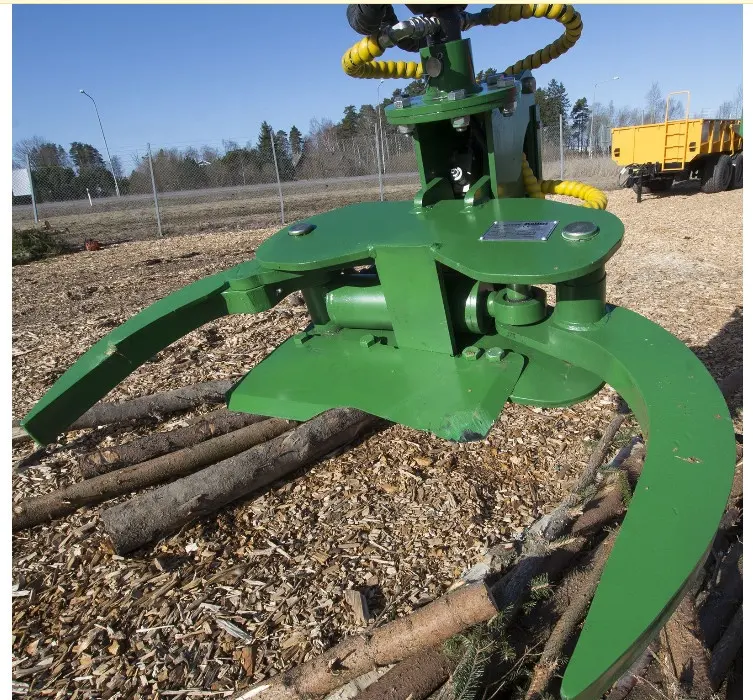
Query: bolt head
[(580, 230), (472, 352), (301, 228), (461, 123), (494, 354), (366, 341)]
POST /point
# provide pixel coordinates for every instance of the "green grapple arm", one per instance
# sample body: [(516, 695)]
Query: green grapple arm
[(427, 313)]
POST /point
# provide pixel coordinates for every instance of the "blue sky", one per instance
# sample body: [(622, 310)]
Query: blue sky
[(180, 75)]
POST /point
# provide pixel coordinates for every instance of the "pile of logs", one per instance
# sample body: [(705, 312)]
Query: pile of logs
[(223, 456), (217, 458)]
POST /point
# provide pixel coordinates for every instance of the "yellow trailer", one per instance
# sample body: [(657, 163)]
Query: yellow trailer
[(656, 155)]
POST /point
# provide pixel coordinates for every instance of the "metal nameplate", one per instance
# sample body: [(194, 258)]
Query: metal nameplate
[(519, 231)]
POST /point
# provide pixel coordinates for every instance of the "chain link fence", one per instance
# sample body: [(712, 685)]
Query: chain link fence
[(174, 191)]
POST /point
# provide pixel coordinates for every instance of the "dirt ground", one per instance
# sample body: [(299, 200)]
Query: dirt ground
[(399, 516)]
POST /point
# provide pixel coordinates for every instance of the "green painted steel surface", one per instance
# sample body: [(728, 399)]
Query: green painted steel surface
[(452, 397), (354, 234), (431, 341), (424, 110), (456, 60), (679, 498), (128, 346)]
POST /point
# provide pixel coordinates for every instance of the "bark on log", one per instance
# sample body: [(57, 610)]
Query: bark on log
[(537, 558), (726, 594), (578, 588), (394, 641), (417, 677), (156, 513), (687, 656), (156, 471), (161, 404), (621, 689), (726, 649), (216, 423), (559, 520)]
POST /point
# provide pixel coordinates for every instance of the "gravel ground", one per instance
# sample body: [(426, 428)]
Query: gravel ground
[(399, 516)]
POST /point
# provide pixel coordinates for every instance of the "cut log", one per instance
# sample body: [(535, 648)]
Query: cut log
[(394, 641), (357, 655), (725, 595), (156, 513), (216, 423), (417, 677), (577, 589), (154, 405), (102, 488), (726, 649)]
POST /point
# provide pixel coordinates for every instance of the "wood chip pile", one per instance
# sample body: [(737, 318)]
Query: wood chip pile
[(362, 537)]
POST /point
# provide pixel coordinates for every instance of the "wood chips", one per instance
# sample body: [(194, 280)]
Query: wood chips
[(262, 586)]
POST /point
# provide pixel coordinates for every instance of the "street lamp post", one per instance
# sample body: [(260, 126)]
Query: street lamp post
[(109, 158), (593, 105)]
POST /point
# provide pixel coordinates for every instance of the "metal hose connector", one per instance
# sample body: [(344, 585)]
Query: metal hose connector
[(359, 62)]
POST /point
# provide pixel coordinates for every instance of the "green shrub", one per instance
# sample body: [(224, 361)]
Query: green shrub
[(33, 244)]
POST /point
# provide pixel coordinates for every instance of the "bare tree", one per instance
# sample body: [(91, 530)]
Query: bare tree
[(26, 148), (731, 109), (117, 167), (654, 104)]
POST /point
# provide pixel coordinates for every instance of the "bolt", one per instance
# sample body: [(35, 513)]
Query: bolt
[(461, 123), (301, 228), (402, 102), (301, 338), (509, 109), (472, 352), (405, 129), (456, 94), (367, 340), (494, 354)]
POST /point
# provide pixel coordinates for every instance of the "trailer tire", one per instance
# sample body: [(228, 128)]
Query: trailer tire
[(736, 182), (660, 185), (717, 176)]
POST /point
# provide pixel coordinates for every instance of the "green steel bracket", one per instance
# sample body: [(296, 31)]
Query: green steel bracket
[(679, 498), (245, 288)]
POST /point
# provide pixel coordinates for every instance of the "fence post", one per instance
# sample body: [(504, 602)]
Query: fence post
[(562, 152), (277, 173), (31, 187), (154, 188), (378, 163)]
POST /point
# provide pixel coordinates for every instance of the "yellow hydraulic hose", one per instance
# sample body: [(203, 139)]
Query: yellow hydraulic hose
[(538, 189), (358, 61), (564, 14)]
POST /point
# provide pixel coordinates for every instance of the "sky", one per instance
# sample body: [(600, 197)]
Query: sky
[(189, 75)]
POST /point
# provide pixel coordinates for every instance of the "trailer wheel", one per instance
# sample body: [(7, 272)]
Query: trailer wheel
[(736, 182), (660, 185), (716, 177)]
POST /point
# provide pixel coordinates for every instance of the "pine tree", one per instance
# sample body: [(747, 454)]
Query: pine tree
[(296, 140), (85, 156), (579, 117)]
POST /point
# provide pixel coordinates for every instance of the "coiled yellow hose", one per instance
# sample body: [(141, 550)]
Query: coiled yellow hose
[(358, 61), (538, 189), (564, 14)]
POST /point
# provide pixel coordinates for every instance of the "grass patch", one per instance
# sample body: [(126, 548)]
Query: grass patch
[(32, 244)]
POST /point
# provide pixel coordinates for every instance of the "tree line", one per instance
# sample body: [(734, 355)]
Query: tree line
[(352, 146)]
